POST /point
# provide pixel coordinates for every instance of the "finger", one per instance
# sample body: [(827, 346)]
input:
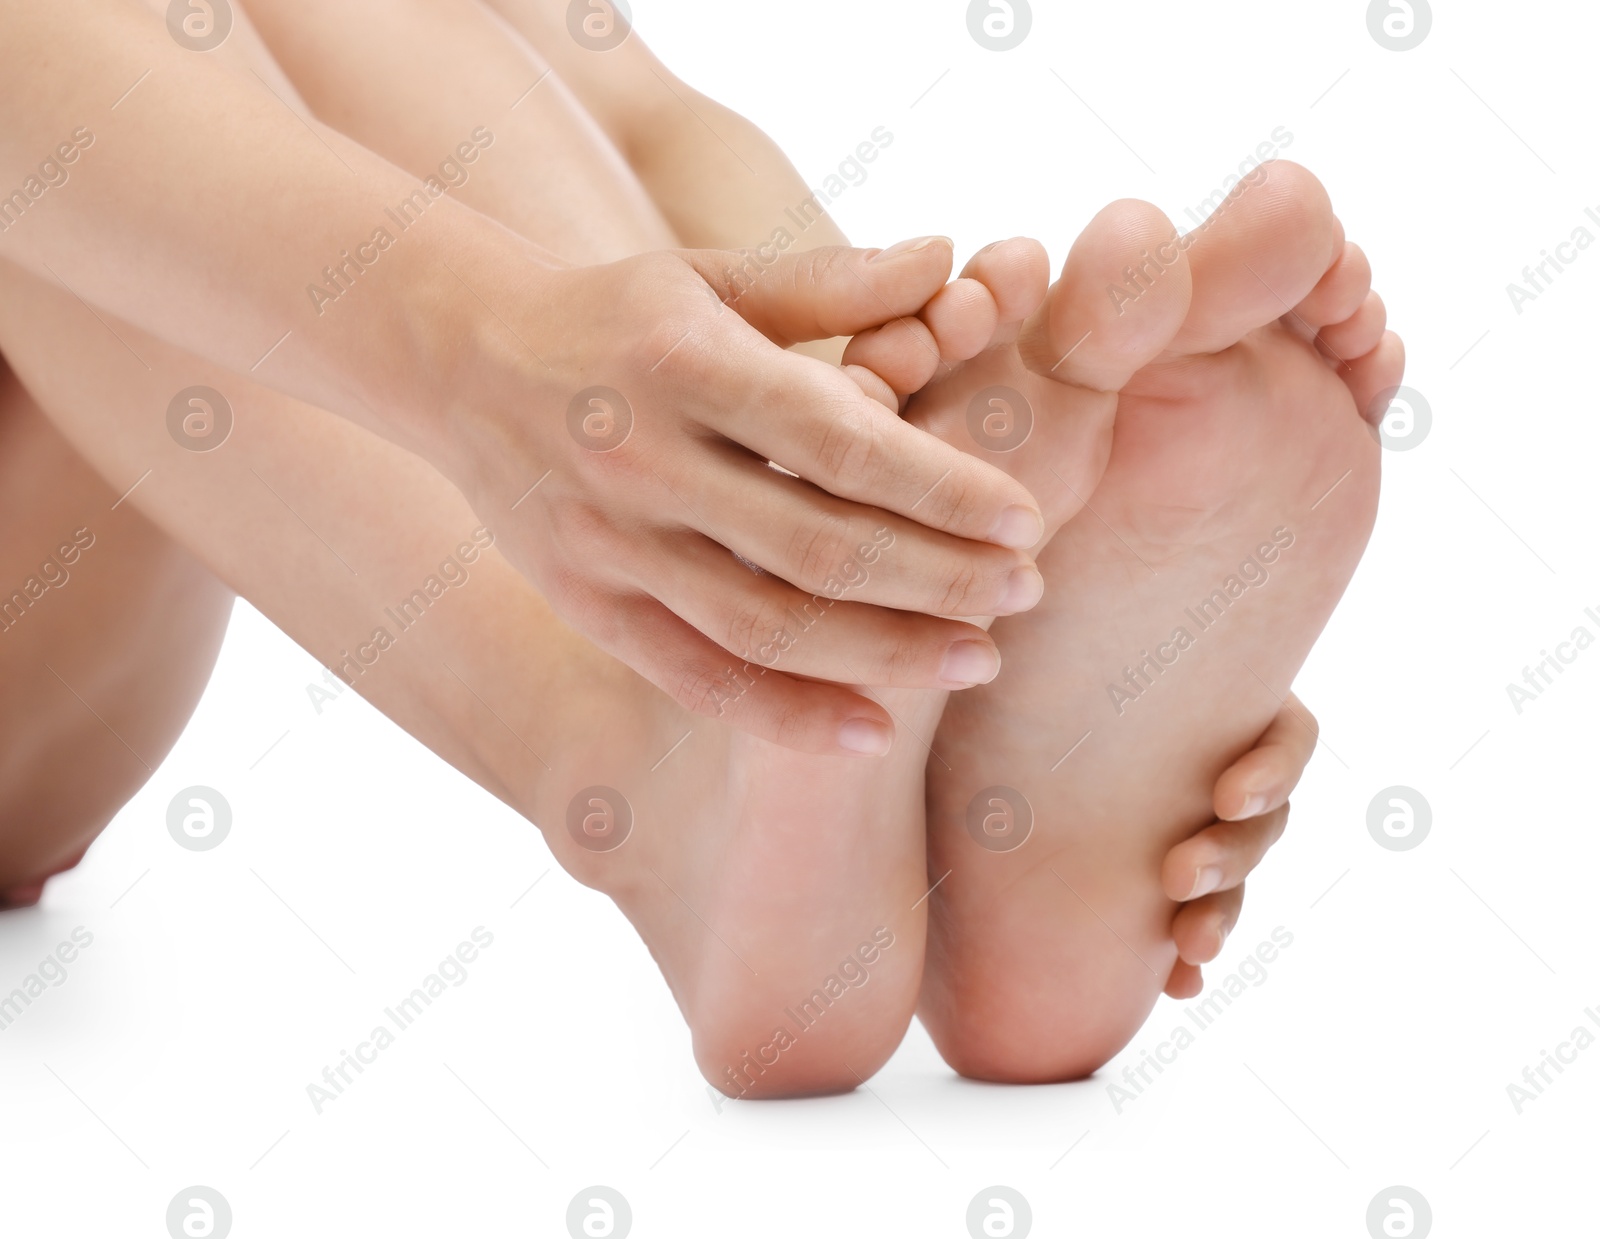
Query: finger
[(822, 545), (705, 680), (1221, 856), (1184, 982), (1200, 929), (1264, 777), (769, 623), (821, 293), (814, 422)]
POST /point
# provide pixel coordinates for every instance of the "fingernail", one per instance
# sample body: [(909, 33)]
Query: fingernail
[(914, 246), (866, 736), (970, 662), (1018, 527), (1255, 806), (1222, 941), (1206, 881), (1024, 588)]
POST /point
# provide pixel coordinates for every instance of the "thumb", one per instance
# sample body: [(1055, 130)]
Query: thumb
[(821, 293)]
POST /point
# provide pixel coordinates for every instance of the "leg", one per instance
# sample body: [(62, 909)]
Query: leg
[(744, 859), (108, 632)]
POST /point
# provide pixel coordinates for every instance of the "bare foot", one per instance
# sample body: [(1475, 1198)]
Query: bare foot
[(1233, 509)]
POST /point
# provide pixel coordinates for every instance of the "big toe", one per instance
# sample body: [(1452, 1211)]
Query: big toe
[(1123, 293), (1260, 254)]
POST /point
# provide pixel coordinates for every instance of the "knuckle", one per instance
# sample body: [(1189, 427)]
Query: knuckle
[(849, 445), (791, 725), (819, 549), (905, 659), (961, 591), (705, 690), (751, 626)]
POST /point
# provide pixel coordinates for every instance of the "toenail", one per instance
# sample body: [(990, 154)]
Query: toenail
[(970, 662), (1024, 588), (1018, 527), (1206, 881), (867, 736), (914, 246)]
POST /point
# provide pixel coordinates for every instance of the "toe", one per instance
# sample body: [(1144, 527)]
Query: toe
[(1017, 275), (1357, 335), (962, 316), (1373, 376), (1122, 296), (1338, 294), (873, 387), (1261, 253)]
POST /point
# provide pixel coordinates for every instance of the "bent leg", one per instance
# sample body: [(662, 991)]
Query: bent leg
[(108, 633)]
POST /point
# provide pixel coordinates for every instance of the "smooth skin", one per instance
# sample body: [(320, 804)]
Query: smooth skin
[(734, 842), (429, 347)]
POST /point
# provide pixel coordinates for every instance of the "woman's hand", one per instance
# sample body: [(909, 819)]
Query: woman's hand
[(619, 451), (1206, 872)]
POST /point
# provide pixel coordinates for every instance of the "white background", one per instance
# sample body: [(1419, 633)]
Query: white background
[(1379, 1049)]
